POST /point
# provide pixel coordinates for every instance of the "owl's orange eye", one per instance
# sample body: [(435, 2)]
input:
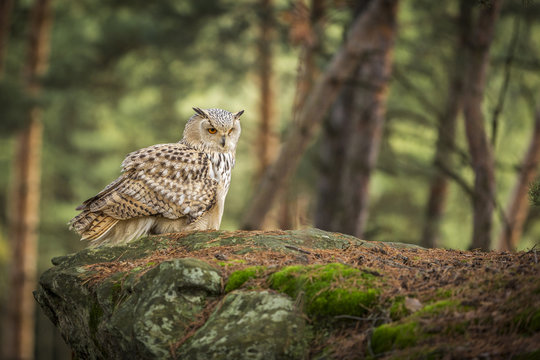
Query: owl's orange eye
[(212, 130), (230, 131)]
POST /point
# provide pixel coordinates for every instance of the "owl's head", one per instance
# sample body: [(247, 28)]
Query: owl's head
[(213, 129)]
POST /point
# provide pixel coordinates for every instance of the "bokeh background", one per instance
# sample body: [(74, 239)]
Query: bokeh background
[(121, 75)]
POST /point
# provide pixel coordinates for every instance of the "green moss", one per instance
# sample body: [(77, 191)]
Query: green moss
[(238, 278), (439, 307), (332, 289), (398, 309), (231, 262), (528, 321), (407, 333), (443, 294), (94, 318), (116, 289), (391, 336)]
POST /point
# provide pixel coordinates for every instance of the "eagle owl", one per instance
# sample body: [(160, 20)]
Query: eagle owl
[(167, 187)]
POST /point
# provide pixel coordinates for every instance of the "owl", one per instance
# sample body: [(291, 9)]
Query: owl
[(167, 187)]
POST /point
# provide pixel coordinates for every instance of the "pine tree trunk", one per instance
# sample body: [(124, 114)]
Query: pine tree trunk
[(331, 163), (266, 140), (321, 97), (357, 135), (445, 141), (477, 55), (518, 204), (307, 73), (19, 333)]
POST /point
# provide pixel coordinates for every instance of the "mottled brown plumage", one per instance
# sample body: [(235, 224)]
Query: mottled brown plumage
[(167, 187)]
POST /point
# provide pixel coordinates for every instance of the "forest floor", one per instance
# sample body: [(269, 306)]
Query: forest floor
[(456, 304)]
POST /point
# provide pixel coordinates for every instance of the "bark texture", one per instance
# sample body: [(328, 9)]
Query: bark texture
[(354, 135), (266, 140), (477, 57), (361, 40), (19, 334), (308, 33), (518, 204)]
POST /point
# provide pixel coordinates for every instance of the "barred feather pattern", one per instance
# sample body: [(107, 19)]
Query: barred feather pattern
[(173, 181)]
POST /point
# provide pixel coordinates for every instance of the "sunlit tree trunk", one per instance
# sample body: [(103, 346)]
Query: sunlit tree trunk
[(359, 131), (518, 204), (19, 332), (266, 145), (445, 140), (476, 48), (323, 94), (307, 73)]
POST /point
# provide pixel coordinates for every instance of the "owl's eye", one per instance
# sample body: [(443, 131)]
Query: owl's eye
[(212, 130), (230, 131)]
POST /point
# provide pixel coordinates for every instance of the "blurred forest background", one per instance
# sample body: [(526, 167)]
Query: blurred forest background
[(415, 121)]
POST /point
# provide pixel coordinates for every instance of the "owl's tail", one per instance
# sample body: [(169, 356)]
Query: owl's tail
[(92, 225), (101, 229)]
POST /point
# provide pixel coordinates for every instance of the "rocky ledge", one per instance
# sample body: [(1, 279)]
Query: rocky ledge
[(292, 295)]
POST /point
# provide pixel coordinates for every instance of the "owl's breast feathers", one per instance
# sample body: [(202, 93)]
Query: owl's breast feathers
[(167, 180)]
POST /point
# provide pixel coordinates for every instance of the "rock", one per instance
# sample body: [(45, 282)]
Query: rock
[(250, 325), (291, 295)]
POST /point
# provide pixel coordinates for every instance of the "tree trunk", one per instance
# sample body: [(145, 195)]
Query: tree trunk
[(445, 141), (323, 94), (5, 21), (307, 70), (266, 140), (307, 73), (331, 163), (477, 55), (518, 204), (24, 217), (362, 111)]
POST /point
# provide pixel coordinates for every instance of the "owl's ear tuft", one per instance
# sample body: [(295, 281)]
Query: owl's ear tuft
[(238, 114), (200, 112)]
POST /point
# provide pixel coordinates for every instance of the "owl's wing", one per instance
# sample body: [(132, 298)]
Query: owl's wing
[(170, 180)]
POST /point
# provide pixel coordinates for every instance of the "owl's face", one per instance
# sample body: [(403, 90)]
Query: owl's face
[(215, 129)]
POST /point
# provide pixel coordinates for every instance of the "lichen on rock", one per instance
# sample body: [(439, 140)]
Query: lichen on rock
[(250, 325)]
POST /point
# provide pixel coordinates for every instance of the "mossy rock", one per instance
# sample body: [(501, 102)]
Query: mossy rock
[(239, 278), (410, 328), (291, 295), (332, 289), (251, 325)]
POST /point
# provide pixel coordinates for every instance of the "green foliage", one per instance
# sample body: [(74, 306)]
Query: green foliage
[(238, 278), (333, 289)]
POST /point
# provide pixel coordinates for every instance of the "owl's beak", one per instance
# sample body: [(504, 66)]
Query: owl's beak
[(223, 141)]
